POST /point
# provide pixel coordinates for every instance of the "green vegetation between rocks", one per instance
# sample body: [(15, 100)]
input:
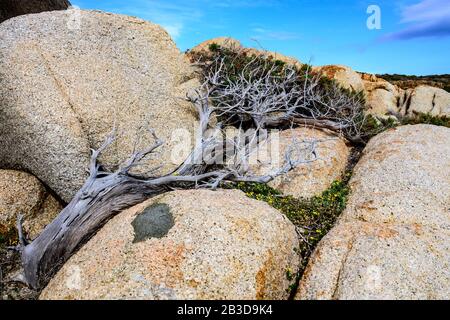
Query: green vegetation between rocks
[(407, 82), (235, 63), (378, 125), (313, 217), (423, 118), (316, 96)]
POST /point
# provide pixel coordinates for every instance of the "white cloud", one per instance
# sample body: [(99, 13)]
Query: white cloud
[(178, 16), (173, 29), (425, 19), (172, 16), (426, 11), (243, 3), (264, 34)]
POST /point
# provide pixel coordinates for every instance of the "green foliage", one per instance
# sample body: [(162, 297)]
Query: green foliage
[(214, 47), (235, 63), (407, 81), (314, 217), (290, 275), (325, 100), (426, 119), (280, 63), (375, 126)]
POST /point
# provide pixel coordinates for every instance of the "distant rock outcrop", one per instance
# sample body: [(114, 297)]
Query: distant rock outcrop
[(13, 8), (344, 75), (230, 43), (385, 98), (64, 87), (382, 97), (426, 99), (392, 241), (196, 244)]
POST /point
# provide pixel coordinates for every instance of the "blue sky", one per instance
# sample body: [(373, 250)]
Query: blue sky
[(414, 37)]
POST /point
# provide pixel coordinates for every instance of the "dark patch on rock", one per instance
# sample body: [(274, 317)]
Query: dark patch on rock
[(154, 222), (13, 8)]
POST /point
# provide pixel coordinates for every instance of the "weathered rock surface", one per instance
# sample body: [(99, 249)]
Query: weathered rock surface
[(230, 43), (13, 8), (310, 179), (382, 97), (195, 244), (291, 61), (224, 42), (22, 193), (392, 241), (360, 260), (344, 75), (426, 99), (403, 178), (65, 83)]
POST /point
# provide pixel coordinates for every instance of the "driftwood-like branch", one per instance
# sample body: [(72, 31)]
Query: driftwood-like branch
[(101, 197), (105, 194), (263, 95)]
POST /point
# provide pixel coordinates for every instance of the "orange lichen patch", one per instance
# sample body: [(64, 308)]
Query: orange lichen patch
[(261, 277), (380, 231), (387, 233), (243, 225), (194, 284), (331, 70), (418, 229), (367, 205), (163, 262), (383, 154)]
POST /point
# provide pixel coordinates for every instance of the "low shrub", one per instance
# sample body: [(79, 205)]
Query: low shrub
[(313, 217)]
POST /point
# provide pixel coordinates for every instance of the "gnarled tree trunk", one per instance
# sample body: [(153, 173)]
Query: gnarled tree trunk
[(107, 193)]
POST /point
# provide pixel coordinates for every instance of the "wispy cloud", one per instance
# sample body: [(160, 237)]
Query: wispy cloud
[(172, 16), (243, 3), (177, 15), (428, 18), (264, 34), (426, 10), (173, 29)]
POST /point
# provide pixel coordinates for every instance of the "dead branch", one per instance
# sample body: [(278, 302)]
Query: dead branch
[(104, 194), (270, 95), (261, 93)]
